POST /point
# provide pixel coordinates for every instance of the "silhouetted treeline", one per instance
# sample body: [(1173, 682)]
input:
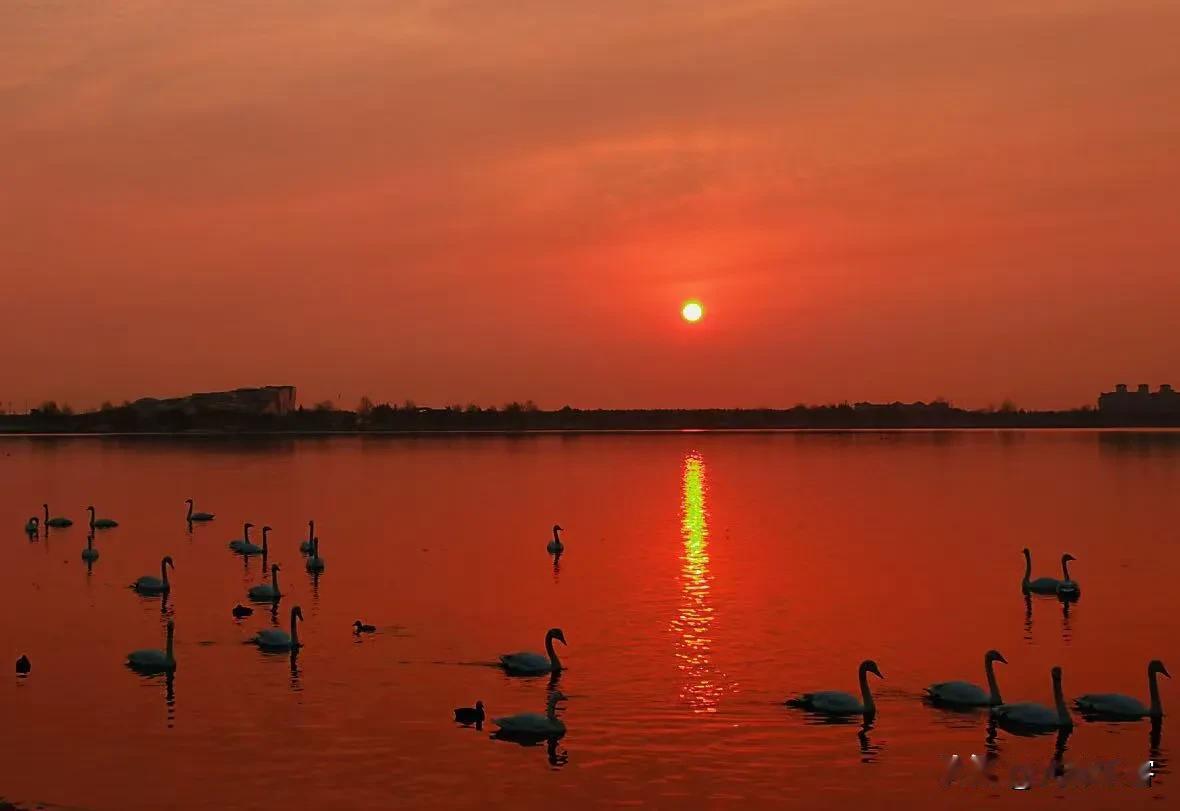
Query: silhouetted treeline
[(527, 417)]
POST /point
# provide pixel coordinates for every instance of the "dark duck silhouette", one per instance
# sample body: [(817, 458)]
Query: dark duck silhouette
[(470, 715), (240, 611), (359, 627)]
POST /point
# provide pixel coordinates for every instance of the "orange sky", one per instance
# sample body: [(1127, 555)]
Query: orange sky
[(485, 201)]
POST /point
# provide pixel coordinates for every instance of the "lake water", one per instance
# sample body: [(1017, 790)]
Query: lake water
[(707, 577)]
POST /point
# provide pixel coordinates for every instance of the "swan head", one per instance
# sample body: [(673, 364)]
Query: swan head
[(1056, 673), (167, 561), (995, 656), (557, 528), (869, 666), (90, 508), (188, 501), (1066, 558), (266, 530), (479, 705), (556, 633), (45, 506), (296, 612), (1156, 666), (1025, 552)]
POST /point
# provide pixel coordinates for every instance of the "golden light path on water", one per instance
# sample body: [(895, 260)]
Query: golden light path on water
[(703, 686)]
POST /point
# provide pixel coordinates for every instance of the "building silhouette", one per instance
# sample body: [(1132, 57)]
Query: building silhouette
[(278, 400), (1141, 401)]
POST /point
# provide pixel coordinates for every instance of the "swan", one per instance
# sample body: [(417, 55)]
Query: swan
[(155, 585), (305, 546), (470, 715), (248, 548), (273, 639), (267, 592), (834, 702), (556, 547), (192, 516), (1028, 715), (1120, 707), (90, 553), (59, 522), (240, 543), (1068, 589), (533, 723), (151, 660), (31, 526), (101, 523), (240, 611), (1042, 585), (359, 627), (314, 562), (966, 694), (534, 664), (23, 665)]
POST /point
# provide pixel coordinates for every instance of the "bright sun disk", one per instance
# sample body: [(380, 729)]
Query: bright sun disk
[(692, 311)]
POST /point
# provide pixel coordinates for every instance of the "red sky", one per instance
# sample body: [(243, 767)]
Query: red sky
[(485, 201)]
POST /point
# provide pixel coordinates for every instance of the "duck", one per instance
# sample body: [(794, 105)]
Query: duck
[(966, 694), (58, 522), (470, 715), (1115, 706), (533, 723), (556, 547), (90, 554), (305, 546), (240, 611), (272, 639), (267, 592), (1042, 585), (152, 660), (1029, 716), (835, 702), (32, 526), (240, 543), (248, 548), (156, 585), (359, 627), (191, 516), (101, 523), (23, 666), (314, 562), (1068, 589), (534, 664)]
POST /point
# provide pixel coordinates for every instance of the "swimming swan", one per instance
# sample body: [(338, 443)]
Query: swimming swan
[(1028, 715), (556, 547), (272, 639), (192, 516), (240, 543), (534, 723), (834, 702), (1126, 708), (470, 715), (31, 526), (1068, 589), (305, 546), (100, 523), (314, 562), (151, 660), (155, 585), (534, 664), (59, 522), (966, 694), (1042, 585), (267, 592), (90, 553)]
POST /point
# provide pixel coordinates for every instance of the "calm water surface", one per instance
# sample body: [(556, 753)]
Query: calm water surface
[(707, 577)]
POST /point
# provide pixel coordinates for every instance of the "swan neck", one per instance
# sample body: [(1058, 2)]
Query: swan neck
[(1027, 567), (294, 629), (46, 506), (189, 514), (274, 580), (1064, 569), (1063, 716), (554, 662), (164, 572), (866, 695), (993, 686), (1153, 688)]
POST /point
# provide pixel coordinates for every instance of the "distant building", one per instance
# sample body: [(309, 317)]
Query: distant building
[(266, 400), (1141, 401)]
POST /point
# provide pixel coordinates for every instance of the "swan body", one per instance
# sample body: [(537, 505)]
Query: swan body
[(966, 694), (272, 639), (58, 522), (556, 547), (535, 723), (1122, 707), (470, 715), (238, 544), (191, 516), (151, 660), (101, 523), (1030, 716), (156, 585), (835, 702), (240, 611), (306, 546), (359, 627), (248, 548), (23, 665), (90, 553), (1042, 585), (535, 664), (32, 526), (267, 592), (314, 562)]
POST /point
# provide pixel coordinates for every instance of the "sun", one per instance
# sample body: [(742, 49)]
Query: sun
[(692, 311)]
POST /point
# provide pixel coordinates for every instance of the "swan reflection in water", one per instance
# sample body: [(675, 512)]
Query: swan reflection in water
[(1066, 627)]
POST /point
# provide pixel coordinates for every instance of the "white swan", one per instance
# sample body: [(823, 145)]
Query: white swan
[(267, 592), (1068, 588), (272, 639), (305, 546), (249, 548), (31, 526), (58, 522), (1030, 716), (966, 694), (155, 585), (101, 523), (314, 562), (152, 660), (192, 516), (239, 543), (534, 723), (835, 702), (90, 553), (1042, 585), (556, 547), (1120, 707), (535, 664)]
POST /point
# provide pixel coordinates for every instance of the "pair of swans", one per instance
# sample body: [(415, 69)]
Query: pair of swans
[(1066, 588), (100, 523), (531, 723), (273, 639), (153, 660), (966, 694), (1119, 707), (58, 522), (524, 663), (244, 546), (835, 702), (156, 585), (267, 592), (191, 516), (556, 547)]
